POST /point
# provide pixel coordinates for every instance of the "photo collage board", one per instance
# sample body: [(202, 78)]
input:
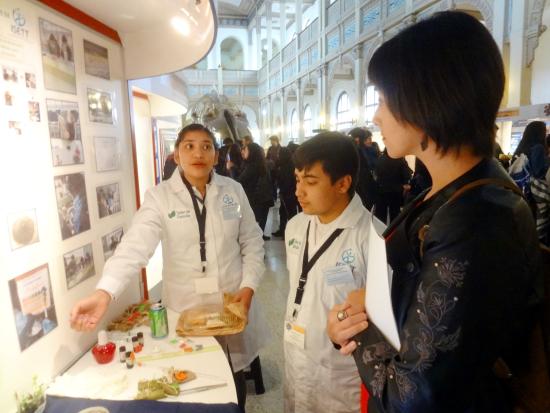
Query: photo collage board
[(60, 100)]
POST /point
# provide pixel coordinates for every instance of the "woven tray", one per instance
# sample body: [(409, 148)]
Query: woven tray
[(213, 320)]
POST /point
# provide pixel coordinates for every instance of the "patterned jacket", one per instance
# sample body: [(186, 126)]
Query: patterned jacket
[(462, 297)]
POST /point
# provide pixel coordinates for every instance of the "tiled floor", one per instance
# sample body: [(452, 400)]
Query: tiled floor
[(272, 294)]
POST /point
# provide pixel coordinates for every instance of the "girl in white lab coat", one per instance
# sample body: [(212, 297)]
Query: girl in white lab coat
[(231, 260), (317, 377)]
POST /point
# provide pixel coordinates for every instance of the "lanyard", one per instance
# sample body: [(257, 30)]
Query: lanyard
[(201, 220), (308, 265)]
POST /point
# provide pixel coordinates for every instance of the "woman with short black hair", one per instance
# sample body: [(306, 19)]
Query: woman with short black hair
[(464, 253)]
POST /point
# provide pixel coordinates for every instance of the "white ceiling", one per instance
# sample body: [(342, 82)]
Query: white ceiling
[(152, 44)]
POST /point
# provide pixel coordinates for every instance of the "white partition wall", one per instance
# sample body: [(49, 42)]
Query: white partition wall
[(67, 182)]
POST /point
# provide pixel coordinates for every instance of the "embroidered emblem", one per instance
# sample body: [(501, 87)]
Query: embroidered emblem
[(172, 214), (348, 257), (227, 199)]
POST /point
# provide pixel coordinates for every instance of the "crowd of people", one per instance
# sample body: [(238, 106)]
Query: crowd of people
[(462, 238)]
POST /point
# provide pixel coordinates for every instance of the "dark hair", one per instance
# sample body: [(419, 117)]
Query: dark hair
[(193, 127), (443, 75), (361, 133), (336, 153), (256, 156), (534, 134), (228, 141)]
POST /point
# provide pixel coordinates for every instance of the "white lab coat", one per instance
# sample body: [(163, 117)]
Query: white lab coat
[(234, 252), (318, 378)]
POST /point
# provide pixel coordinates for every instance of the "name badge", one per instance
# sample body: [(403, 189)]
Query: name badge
[(340, 274), (232, 211), (206, 285), (295, 334)]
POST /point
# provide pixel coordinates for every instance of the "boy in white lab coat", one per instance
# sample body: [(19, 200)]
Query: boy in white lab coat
[(194, 205), (332, 233)]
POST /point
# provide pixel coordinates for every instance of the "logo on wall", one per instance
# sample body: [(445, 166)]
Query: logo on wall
[(19, 24)]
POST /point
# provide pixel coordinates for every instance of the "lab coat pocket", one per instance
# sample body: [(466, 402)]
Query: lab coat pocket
[(339, 281)]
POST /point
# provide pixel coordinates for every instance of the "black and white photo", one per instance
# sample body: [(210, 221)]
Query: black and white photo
[(96, 60), (79, 265), (110, 241)]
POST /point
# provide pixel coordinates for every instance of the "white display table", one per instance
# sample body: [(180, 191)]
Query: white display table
[(114, 381)]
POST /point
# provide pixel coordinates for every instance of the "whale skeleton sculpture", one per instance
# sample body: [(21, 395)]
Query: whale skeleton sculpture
[(219, 114)]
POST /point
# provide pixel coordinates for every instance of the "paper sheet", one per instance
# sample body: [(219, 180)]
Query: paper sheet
[(378, 290)]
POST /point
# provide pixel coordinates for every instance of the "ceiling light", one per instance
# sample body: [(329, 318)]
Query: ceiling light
[(180, 25)]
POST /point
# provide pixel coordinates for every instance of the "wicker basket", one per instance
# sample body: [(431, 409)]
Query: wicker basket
[(213, 320)]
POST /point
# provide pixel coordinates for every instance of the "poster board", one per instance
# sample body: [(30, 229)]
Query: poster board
[(63, 104)]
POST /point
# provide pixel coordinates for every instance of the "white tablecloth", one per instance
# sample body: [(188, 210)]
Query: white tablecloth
[(114, 381)]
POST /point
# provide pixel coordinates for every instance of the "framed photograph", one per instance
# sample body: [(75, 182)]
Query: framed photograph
[(108, 200), (72, 204), (34, 111), (23, 228), (56, 44), (33, 305), (79, 265), (10, 74), (100, 106), (8, 98), (14, 128), (96, 60), (65, 135), (107, 156), (110, 241), (30, 80)]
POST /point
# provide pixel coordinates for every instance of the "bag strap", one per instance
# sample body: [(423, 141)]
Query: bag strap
[(461, 191)]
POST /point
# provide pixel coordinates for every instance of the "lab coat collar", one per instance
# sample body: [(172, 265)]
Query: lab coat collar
[(351, 215), (177, 185)]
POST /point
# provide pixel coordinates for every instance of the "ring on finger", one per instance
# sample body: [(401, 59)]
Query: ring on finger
[(341, 315)]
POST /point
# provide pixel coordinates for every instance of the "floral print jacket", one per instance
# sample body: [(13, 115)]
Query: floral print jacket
[(462, 297)]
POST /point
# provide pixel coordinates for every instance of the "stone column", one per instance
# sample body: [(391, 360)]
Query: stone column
[(517, 53), (359, 114)]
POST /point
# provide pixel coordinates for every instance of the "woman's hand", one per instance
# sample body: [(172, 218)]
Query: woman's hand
[(346, 320)]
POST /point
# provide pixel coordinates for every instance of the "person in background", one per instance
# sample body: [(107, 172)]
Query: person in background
[(286, 181), (232, 251), (170, 166), (393, 176), (229, 152), (256, 181), (367, 188), (247, 140), (326, 249), (465, 257), (533, 145)]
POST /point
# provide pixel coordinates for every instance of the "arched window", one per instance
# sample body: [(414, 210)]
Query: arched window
[(371, 103), (343, 112), (294, 126), (232, 57), (307, 122)]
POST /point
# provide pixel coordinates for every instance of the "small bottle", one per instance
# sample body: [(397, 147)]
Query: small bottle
[(122, 353), (140, 338), (129, 359), (104, 350), (135, 344)]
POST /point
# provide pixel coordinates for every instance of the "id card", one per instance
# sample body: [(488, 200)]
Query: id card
[(231, 211), (206, 285), (295, 334), (340, 274)]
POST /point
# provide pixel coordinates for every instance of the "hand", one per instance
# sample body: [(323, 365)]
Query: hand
[(244, 296), (88, 312), (341, 332)]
